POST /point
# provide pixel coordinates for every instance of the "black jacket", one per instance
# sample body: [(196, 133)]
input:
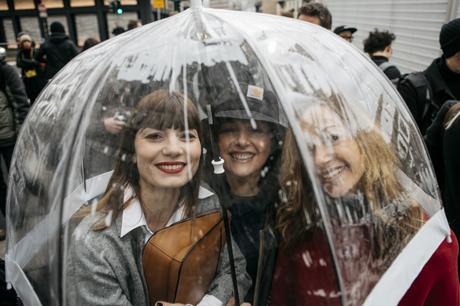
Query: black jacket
[(441, 90), (13, 104), (56, 52)]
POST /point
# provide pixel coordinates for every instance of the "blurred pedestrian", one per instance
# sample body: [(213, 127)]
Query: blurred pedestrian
[(118, 30), (289, 13), (89, 42), (30, 71), (345, 32), (443, 143), (315, 13), (425, 92), (13, 110), (378, 46), (56, 51), (132, 24)]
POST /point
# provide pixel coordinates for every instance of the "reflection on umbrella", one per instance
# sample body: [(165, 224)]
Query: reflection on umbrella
[(369, 220)]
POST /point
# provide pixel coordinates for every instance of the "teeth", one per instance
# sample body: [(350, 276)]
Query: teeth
[(242, 156), (331, 173), (170, 167)]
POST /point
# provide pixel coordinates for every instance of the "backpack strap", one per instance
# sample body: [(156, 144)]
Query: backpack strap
[(386, 65), (420, 83)]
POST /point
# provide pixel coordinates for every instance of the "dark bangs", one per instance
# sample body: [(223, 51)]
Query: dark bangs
[(163, 110)]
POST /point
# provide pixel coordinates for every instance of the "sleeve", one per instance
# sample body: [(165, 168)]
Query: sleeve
[(25, 63), (222, 286), (40, 56), (18, 92), (451, 158), (90, 277)]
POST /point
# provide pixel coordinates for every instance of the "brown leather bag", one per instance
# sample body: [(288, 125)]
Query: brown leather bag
[(180, 261)]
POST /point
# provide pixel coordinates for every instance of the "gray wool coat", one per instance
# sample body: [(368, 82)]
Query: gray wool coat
[(104, 269)]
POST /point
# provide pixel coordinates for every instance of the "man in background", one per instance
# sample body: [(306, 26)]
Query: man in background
[(315, 13), (345, 32), (378, 46), (57, 50)]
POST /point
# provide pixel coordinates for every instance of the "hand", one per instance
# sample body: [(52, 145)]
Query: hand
[(113, 126)]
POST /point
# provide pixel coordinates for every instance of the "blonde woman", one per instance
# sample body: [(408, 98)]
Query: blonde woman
[(372, 217)]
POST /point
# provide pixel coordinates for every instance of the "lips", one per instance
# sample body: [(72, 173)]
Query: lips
[(329, 174), (242, 156), (171, 167)]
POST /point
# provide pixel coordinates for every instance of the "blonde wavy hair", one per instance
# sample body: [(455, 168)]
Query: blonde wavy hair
[(379, 185)]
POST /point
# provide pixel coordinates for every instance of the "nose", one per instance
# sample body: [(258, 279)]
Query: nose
[(322, 154), (173, 146), (242, 138)]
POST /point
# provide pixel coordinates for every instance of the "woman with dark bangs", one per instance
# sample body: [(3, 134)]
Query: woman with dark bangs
[(372, 217), (155, 185)]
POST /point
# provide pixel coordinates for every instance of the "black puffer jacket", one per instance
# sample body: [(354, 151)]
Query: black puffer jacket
[(56, 52), (13, 104)]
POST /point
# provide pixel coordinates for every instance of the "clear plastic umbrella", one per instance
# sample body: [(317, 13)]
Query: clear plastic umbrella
[(351, 149)]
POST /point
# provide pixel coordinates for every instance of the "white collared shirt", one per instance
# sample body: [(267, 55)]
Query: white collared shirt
[(133, 217)]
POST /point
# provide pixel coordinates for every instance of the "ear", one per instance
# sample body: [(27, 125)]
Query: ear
[(388, 49)]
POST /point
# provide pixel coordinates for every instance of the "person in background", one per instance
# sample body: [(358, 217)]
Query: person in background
[(315, 13), (30, 71), (56, 51), (89, 42), (118, 30), (345, 32), (289, 13), (425, 92), (14, 107), (132, 24), (378, 46)]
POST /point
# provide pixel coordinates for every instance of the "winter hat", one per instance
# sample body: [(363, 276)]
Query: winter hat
[(449, 38), (57, 27), (23, 38)]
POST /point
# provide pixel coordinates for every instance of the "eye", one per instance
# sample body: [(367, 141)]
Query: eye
[(155, 136), (334, 137), (192, 134)]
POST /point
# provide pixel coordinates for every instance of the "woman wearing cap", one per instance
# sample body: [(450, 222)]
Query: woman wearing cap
[(372, 217), (249, 141), (155, 186), (30, 71)]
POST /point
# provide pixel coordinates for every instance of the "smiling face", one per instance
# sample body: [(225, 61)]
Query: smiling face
[(166, 158), (244, 149), (337, 157)]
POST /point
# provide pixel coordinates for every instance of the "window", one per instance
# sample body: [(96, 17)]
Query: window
[(53, 3), (114, 21), (3, 6), (9, 33), (86, 28), (79, 3), (23, 4), (30, 26)]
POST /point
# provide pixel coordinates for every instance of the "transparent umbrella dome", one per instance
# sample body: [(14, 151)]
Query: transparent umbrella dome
[(337, 136)]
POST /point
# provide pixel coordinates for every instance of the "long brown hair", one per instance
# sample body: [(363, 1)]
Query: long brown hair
[(379, 185), (159, 110)]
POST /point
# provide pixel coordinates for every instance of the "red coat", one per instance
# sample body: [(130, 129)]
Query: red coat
[(304, 275), (438, 282)]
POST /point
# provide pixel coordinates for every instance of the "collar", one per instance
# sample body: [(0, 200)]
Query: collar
[(133, 216)]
